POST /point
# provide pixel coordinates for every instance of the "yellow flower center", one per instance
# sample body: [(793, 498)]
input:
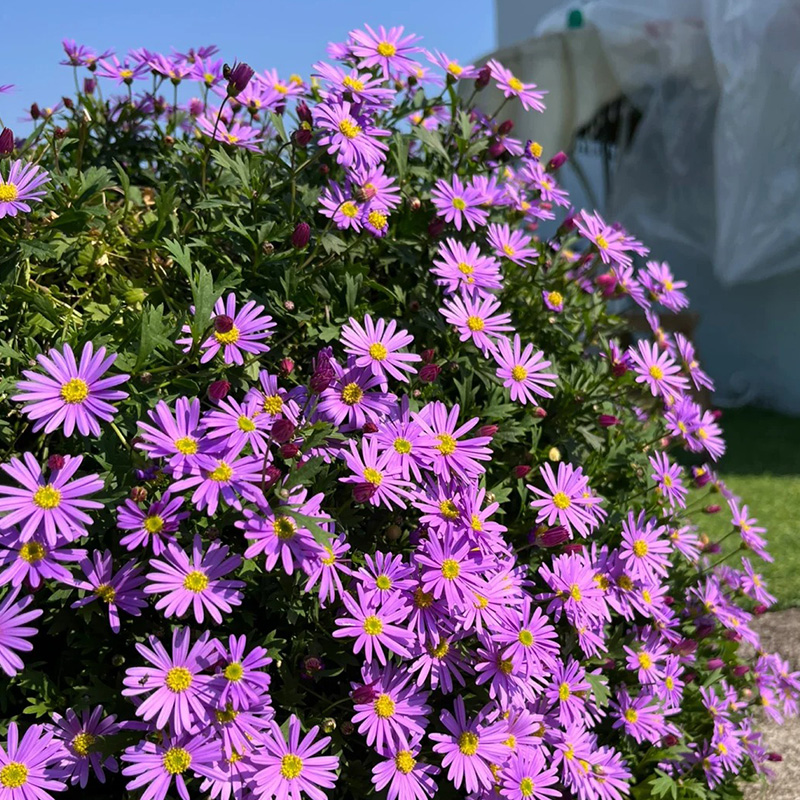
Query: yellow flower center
[(126, 74), (669, 683), (475, 324), (465, 269), (516, 84), (373, 626), (186, 445), (233, 672), (349, 209), (458, 203), (196, 581), (668, 286), (656, 372), (519, 373), (284, 528), (106, 593), (602, 242), (349, 129), (229, 337), (447, 444), (330, 558), (575, 592), (373, 476), (525, 637), (454, 68), (476, 524), (631, 715), (13, 775), (602, 581), (227, 715), (645, 662), (482, 602), (511, 742), (82, 742), (378, 351), (508, 250), (232, 139), (222, 474), (625, 583), (8, 192), (74, 391), (506, 666), (383, 582), (703, 434), (176, 760), (47, 497), (555, 298), (32, 552), (280, 88), (451, 569), (352, 394), (383, 706), (402, 445), (561, 501), (646, 596), (353, 83), (447, 508), (208, 78), (153, 524), (386, 49), (245, 424), (273, 404), (563, 692), (377, 220), (422, 599), (640, 548), (668, 481), (178, 679), (404, 761), (526, 787), (535, 149), (468, 743), (441, 650)]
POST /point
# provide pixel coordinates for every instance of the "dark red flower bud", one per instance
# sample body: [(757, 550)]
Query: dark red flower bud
[(323, 375), (569, 221), (413, 306), (415, 204), (689, 677), (668, 600), (271, 475), (56, 462), (436, 228), (552, 537), (733, 636), (715, 663), (218, 390), (539, 412), (760, 609), (36, 112), (238, 77), (618, 368), (521, 470), (428, 355), (670, 740), (223, 323), (557, 161), (685, 647), (712, 509), (311, 665), (324, 169), (347, 728), (283, 430), (138, 494), (496, 149), (607, 283), (505, 127), (286, 366), (740, 670), (302, 137), (774, 757), (303, 112), (288, 451), (363, 492), (488, 430), (89, 85), (429, 373), (6, 142), (484, 76), (704, 631), (369, 427), (68, 104), (301, 235), (607, 420), (573, 548), (717, 414), (363, 694)]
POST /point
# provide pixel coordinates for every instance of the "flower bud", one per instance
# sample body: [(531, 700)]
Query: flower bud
[(505, 127), (484, 76), (393, 533), (557, 161), (89, 85), (539, 412), (740, 670), (218, 390), (413, 306), (520, 471), (428, 355), (607, 420), (283, 431), (685, 647), (138, 494), (238, 77), (328, 725), (363, 492), (302, 137), (289, 450), (414, 203), (760, 609), (712, 509), (575, 547), (312, 665), (554, 454), (347, 728), (6, 142), (704, 630), (670, 740), (488, 430), (715, 663), (117, 660), (363, 694), (774, 757), (369, 427), (223, 323), (56, 462), (496, 149), (429, 373), (607, 283), (301, 235), (35, 111), (286, 366), (303, 112), (436, 228), (324, 170), (267, 248), (552, 537), (271, 474)]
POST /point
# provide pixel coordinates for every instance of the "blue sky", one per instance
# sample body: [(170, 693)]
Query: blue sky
[(288, 35)]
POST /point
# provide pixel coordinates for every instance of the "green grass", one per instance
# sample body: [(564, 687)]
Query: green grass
[(762, 465)]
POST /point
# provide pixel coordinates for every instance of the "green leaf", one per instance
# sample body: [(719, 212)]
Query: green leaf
[(353, 284), (277, 123), (152, 333), (599, 689), (431, 140), (400, 153)]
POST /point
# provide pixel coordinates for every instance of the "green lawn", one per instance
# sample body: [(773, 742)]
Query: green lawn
[(762, 465)]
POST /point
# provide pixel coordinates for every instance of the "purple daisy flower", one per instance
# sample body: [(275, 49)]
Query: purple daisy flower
[(575, 593), (392, 712), (235, 133), (349, 135), (326, 568), (238, 424), (291, 766), (123, 72), (13, 631), (440, 664), (226, 478), (456, 202), (338, 205), (449, 569), (474, 318), (375, 221), (81, 737), (344, 84), (513, 245), (709, 435), (528, 776), (640, 717), (155, 765), (54, 506), (120, 591), (687, 354), (452, 67), (21, 186), (660, 282), (235, 332), (373, 625), (71, 395), (469, 748), (530, 639), (402, 774), (196, 581), (178, 691), (387, 49), (79, 55), (568, 500), (377, 346), (241, 680), (465, 269), (522, 370), (514, 87), (152, 528), (400, 437), (658, 370), (669, 480), (34, 561), (377, 476), (349, 402), (30, 768), (610, 242), (384, 575), (644, 550), (553, 300)]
